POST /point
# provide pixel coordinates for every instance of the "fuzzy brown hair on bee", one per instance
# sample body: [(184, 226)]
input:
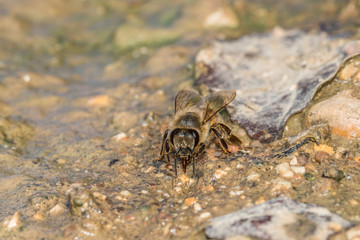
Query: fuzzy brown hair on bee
[(195, 119)]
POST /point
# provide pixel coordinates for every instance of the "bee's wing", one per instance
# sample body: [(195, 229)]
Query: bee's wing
[(217, 101), (189, 98)]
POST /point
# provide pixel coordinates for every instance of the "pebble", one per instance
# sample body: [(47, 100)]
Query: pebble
[(253, 177), (349, 70), (324, 148), (236, 193), (293, 161), (284, 170), (178, 189), (219, 173), (119, 137), (125, 193), (144, 191), (190, 201), (13, 221), (57, 209), (341, 112), (197, 207), (298, 169), (99, 196), (150, 169), (222, 17), (208, 188), (38, 217), (205, 215), (279, 186), (184, 178), (321, 156), (101, 100)]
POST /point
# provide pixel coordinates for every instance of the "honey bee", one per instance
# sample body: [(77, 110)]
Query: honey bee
[(194, 122)]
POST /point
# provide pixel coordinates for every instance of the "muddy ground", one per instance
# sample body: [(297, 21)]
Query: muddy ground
[(87, 89)]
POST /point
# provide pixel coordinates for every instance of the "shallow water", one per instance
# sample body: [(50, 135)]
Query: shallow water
[(86, 90)]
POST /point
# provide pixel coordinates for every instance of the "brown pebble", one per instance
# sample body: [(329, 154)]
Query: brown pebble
[(208, 188), (190, 201), (321, 156), (99, 196), (101, 100), (57, 209), (184, 178), (324, 148), (38, 217)]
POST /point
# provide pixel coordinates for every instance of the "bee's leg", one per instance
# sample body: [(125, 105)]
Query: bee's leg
[(175, 166), (167, 148), (201, 148), (164, 145), (225, 136), (223, 144)]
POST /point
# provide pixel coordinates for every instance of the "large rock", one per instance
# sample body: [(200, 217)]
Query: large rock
[(275, 75), (280, 218)]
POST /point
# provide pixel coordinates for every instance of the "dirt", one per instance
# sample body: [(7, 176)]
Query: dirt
[(82, 113)]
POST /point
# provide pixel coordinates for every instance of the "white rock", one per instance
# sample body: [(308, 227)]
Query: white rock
[(197, 207), (284, 170), (298, 169), (253, 177), (13, 221), (293, 161), (205, 215), (125, 193), (219, 173)]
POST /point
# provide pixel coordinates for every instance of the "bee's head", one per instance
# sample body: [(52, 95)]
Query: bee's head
[(184, 140)]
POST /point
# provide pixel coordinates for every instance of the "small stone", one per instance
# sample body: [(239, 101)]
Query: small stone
[(120, 137), (190, 201), (260, 200), (61, 161), (197, 207), (236, 193), (144, 191), (293, 161), (279, 186), (341, 112), (57, 209), (349, 71), (38, 217), (284, 170), (99, 196), (324, 148), (298, 169), (219, 173), (222, 17), (160, 175), (13, 221), (184, 178), (178, 189), (353, 233), (101, 100), (253, 177), (208, 188), (125, 193), (205, 215), (321, 156), (150, 169)]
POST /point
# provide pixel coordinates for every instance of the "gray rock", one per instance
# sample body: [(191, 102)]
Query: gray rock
[(280, 218), (275, 75)]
